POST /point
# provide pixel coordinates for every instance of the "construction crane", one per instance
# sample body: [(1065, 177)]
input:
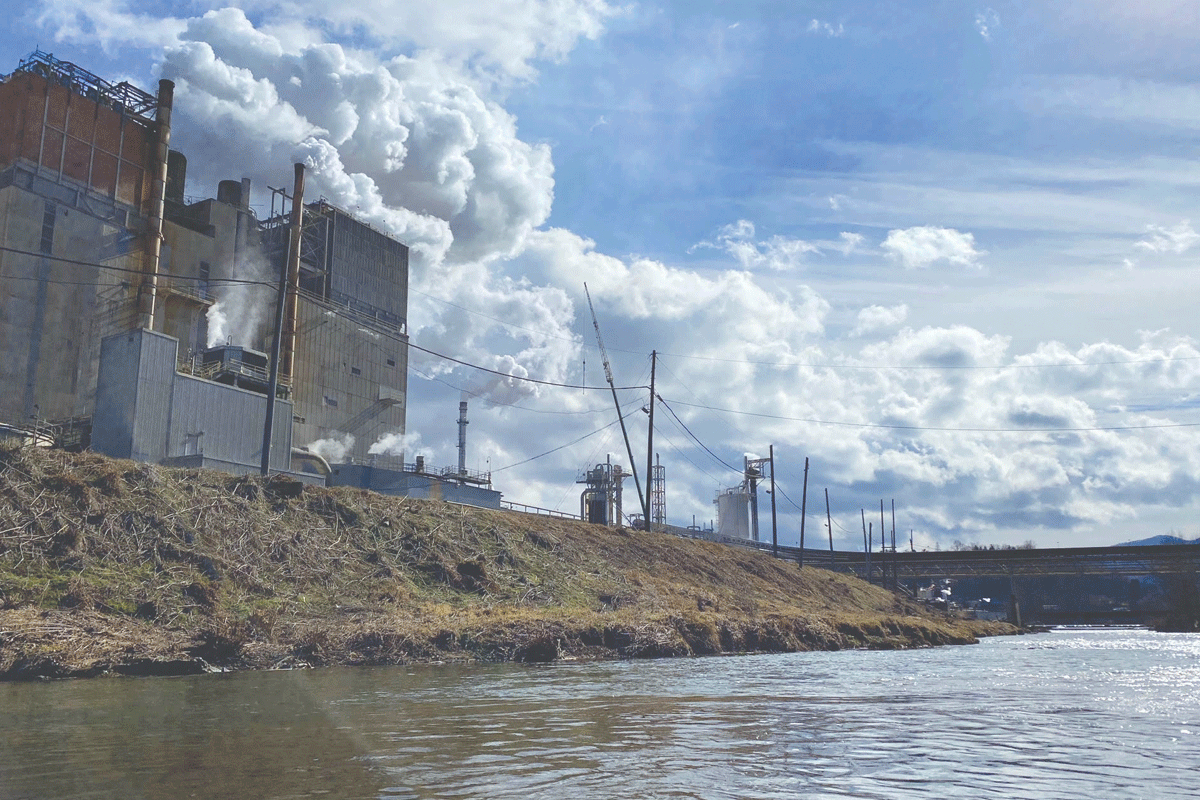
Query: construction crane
[(645, 501)]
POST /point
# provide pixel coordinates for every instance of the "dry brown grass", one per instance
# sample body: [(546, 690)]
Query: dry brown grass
[(106, 564)]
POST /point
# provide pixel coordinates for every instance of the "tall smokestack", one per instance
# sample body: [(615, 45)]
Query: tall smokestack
[(462, 437), (287, 359), (152, 253)]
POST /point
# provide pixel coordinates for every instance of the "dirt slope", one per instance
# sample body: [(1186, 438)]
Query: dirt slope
[(111, 566)]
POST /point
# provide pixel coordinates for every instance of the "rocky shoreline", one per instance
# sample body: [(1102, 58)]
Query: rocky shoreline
[(115, 568)]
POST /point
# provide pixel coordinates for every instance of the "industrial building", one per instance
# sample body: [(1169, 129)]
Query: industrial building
[(139, 322)]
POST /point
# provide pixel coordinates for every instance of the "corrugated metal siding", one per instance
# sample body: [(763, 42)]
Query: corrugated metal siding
[(133, 395), (116, 398), (229, 421), (339, 374), (369, 266), (155, 381)]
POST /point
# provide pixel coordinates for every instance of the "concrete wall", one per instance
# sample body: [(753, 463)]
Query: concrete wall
[(53, 312), (412, 484)]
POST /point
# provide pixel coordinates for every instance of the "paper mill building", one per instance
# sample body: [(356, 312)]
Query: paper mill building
[(109, 275)]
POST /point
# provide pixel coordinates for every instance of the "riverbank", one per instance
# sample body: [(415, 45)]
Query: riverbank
[(115, 567)]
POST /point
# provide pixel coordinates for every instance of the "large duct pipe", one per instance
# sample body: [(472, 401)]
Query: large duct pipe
[(462, 438), (152, 253), (288, 351)]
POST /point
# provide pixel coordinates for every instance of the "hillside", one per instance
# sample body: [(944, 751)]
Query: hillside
[(112, 566)]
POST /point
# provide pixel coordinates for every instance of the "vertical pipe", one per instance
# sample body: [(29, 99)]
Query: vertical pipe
[(462, 438), (882, 546), (288, 352), (803, 510), (752, 477), (774, 530), (148, 287), (829, 524), (895, 565), (866, 543), (273, 377), (280, 312), (650, 441)]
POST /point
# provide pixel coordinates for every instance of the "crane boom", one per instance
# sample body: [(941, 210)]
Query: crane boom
[(612, 385)]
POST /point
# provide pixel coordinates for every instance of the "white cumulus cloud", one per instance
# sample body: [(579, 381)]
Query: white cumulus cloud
[(925, 245), (878, 318)]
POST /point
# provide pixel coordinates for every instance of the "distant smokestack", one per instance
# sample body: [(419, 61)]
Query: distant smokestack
[(148, 288), (462, 437)]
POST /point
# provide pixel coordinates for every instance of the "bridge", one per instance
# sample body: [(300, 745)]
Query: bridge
[(1130, 561), (1127, 560)]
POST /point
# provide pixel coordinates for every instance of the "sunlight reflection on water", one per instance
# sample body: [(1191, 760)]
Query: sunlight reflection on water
[(1070, 714)]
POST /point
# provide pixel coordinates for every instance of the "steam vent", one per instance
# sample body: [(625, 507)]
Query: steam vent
[(141, 322)]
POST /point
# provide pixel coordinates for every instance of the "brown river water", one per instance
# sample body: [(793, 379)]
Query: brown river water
[(1075, 713)]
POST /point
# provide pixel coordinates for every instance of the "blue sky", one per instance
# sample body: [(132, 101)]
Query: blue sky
[(932, 246)]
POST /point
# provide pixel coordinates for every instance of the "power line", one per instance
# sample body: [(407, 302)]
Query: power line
[(919, 367), (686, 458), (478, 395), (822, 365), (936, 428), (128, 270), (568, 444), (697, 440)]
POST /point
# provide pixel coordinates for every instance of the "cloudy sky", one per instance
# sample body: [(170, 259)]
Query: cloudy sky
[(942, 249)]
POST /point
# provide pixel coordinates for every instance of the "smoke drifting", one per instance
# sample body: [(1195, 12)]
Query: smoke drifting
[(242, 314), (334, 449), (397, 445)]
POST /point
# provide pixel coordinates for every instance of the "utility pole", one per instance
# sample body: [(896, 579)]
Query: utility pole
[(774, 529), (866, 543), (829, 524), (883, 548), (650, 442), (803, 508), (285, 279), (611, 385), (895, 566)]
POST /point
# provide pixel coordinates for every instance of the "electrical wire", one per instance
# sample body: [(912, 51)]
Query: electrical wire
[(884, 426), (697, 440), (478, 395), (579, 341), (920, 367), (568, 444), (112, 268), (685, 456)]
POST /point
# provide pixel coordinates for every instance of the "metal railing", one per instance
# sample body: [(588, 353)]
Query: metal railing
[(508, 505)]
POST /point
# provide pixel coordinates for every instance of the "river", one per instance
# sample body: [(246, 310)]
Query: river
[(1074, 713)]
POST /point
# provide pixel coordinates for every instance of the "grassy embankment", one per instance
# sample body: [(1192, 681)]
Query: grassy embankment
[(112, 566)]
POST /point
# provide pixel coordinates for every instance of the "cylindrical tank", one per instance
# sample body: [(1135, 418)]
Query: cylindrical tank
[(230, 193), (733, 514), (176, 176)]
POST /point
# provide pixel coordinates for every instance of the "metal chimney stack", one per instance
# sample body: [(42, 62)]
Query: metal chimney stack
[(462, 437)]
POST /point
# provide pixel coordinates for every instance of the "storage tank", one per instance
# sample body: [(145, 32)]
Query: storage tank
[(733, 513)]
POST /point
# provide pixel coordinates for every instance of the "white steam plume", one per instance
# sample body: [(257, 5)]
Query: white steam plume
[(397, 444), (334, 449), (242, 311)]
